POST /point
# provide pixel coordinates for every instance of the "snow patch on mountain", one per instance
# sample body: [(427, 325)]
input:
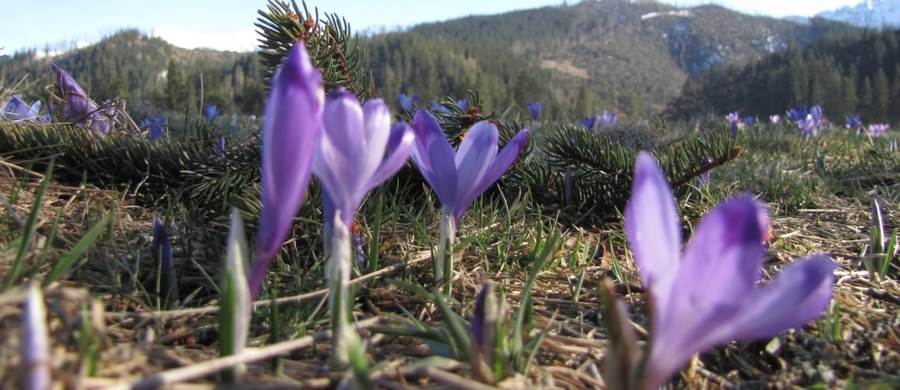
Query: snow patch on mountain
[(869, 13)]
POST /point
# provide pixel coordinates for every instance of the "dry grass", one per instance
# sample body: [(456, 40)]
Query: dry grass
[(136, 346)]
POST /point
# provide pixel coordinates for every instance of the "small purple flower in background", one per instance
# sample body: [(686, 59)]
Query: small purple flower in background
[(289, 137), (588, 122), (162, 253), (733, 119), (408, 102), (749, 121), (607, 119), (459, 176), (816, 114), (79, 107), (775, 119), (808, 121), (211, 111), (17, 110), (877, 129), (156, 127), (807, 126), (35, 345), (436, 107), (708, 295), (798, 113), (854, 123), (463, 104), (220, 147), (535, 108)]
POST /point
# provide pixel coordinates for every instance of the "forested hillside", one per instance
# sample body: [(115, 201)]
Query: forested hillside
[(846, 75), (630, 56), (143, 69)]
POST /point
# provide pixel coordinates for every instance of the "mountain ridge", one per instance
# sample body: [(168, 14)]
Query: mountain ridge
[(623, 50)]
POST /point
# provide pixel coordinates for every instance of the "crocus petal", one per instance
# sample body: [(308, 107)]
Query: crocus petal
[(475, 154), (651, 224), (290, 135), (343, 118), (435, 157), (716, 275), (377, 125), (401, 144), (722, 261), (499, 166), (796, 296), (344, 160)]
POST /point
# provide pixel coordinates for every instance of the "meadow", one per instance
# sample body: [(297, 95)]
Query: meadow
[(125, 262)]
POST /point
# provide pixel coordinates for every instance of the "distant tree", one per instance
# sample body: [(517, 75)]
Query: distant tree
[(865, 98), (881, 96)]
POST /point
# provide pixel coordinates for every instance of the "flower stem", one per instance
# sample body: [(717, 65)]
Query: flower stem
[(443, 264), (338, 274)]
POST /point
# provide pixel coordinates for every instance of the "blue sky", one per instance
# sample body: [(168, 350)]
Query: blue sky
[(228, 24)]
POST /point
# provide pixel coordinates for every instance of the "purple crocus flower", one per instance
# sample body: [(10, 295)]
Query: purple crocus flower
[(732, 117), (708, 295), (463, 104), (17, 110), (535, 108), (854, 122), (211, 111), (350, 161), (588, 122), (156, 127), (877, 129), (807, 126), (436, 107), (289, 137), (816, 114), (79, 107), (162, 253), (408, 102), (798, 113), (459, 176), (607, 119), (349, 157), (749, 120), (775, 119), (220, 147)]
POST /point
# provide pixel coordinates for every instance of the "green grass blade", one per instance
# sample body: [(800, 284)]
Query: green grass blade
[(28, 230), (65, 263)]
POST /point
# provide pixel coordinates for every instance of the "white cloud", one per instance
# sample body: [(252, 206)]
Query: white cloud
[(242, 40)]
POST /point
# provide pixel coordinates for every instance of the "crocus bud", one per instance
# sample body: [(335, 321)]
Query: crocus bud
[(290, 135)]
